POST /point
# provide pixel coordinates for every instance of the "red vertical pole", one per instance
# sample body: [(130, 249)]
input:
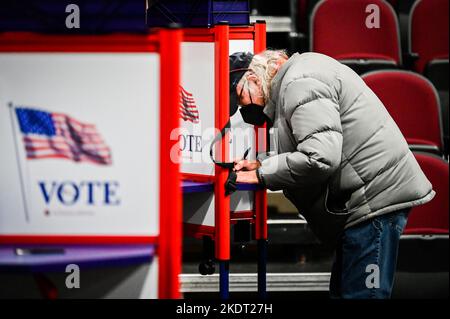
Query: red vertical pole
[(170, 213), (260, 36), (261, 195), (222, 115)]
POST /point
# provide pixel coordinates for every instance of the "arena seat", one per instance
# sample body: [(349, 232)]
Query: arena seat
[(423, 252), (305, 7), (413, 103), (428, 40), (432, 217), (338, 29), (429, 32)]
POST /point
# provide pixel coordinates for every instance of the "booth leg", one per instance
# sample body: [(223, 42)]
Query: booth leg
[(262, 268), (224, 279)]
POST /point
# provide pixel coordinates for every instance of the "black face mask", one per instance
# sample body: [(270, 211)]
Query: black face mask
[(253, 114)]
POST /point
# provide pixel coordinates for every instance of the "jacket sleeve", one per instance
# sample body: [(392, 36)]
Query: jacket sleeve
[(312, 112)]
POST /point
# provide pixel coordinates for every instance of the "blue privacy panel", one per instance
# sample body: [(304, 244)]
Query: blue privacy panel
[(96, 16), (198, 13)]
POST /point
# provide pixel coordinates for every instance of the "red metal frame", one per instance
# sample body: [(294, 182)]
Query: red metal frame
[(198, 231), (260, 195), (170, 205), (209, 34), (220, 35), (32, 42), (167, 43), (222, 115), (197, 177)]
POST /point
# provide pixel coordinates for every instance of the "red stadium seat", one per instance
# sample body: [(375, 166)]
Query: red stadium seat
[(429, 32), (304, 9), (413, 103), (428, 40), (338, 29), (431, 218)]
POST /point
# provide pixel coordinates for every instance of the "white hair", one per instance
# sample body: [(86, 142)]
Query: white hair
[(265, 65)]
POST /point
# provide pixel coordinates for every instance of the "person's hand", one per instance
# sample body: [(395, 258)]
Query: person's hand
[(247, 177), (246, 165)]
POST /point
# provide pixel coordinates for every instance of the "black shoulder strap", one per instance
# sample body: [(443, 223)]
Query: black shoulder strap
[(218, 138), (230, 184)]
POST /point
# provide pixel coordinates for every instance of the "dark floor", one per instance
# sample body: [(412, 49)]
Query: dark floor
[(422, 265)]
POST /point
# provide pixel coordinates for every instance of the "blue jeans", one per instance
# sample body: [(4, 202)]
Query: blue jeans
[(366, 258)]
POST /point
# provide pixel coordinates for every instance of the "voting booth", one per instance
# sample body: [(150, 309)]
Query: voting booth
[(85, 132), (207, 210)]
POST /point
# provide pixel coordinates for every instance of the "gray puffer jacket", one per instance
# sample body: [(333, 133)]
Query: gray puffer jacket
[(341, 159)]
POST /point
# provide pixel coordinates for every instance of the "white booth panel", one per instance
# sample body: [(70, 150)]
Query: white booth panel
[(118, 96), (197, 107)]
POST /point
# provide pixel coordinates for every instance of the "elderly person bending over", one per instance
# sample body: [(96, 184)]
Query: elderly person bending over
[(338, 157)]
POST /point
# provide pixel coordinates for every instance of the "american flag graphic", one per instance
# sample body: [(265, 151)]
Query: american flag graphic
[(57, 135), (188, 108)]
